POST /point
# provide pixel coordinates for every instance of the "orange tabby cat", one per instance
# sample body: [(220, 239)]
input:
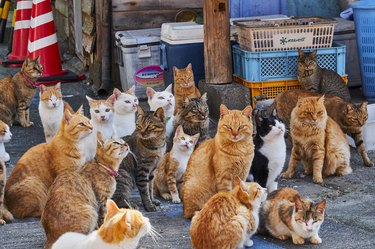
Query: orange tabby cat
[(216, 161), (318, 141), (5, 215), (228, 219), (184, 86), (27, 186)]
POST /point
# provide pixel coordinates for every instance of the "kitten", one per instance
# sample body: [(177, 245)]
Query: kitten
[(166, 100), (286, 214), (27, 186), (148, 146), (51, 109), (172, 166), (229, 218), (5, 215), (316, 79), (270, 151), (78, 196), (17, 92), (318, 141), (122, 229), (351, 117), (214, 164), (125, 106), (184, 86), (5, 137)]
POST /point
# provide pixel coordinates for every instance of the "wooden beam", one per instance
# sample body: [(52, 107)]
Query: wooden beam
[(132, 5), (217, 50)]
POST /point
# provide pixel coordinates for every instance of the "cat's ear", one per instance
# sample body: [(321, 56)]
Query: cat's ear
[(301, 54), (363, 106), (189, 67), (300, 101), (140, 111), (247, 111), (204, 97), (175, 70), (186, 102), (321, 206), (42, 88), (80, 110), (150, 92), (223, 111), (58, 86), (349, 108), (169, 88), (298, 204), (112, 208), (67, 116), (321, 100), (195, 138), (274, 113), (159, 113), (314, 53), (90, 100), (238, 182), (131, 90), (179, 130), (37, 59), (112, 99), (100, 138), (117, 93)]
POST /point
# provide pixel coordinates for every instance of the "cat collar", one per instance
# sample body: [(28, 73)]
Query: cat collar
[(29, 80), (111, 172)]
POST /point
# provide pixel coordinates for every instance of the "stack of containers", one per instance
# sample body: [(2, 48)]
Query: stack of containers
[(265, 60)]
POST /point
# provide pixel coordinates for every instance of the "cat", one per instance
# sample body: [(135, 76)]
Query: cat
[(270, 151), (51, 109), (172, 166), (5, 215), (125, 106), (122, 229), (317, 141), (28, 184), (351, 117), (17, 92), (5, 137), (194, 118), (148, 145), (78, 196), (184, 86), (229, 219), (214, 164), (166, 100), (286, 214), (316, 79)]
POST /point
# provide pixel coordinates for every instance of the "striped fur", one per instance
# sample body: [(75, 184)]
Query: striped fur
[(5, 215)]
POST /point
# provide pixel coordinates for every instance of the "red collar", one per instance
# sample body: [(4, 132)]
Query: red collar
[(29, 80), (111, 172)]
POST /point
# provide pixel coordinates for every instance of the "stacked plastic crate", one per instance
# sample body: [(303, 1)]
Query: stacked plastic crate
[(266, 58)]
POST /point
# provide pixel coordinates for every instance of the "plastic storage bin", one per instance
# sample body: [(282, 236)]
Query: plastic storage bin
[(364, 19), (138, 58), (282, 65), (246, 8)]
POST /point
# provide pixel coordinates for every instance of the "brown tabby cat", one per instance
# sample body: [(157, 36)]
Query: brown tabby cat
[(286, 214), (27, 186), (17, 92), (228, 219), (78, 196), (5, 215), (318, 141), (350, 118), (184, 86), (214, 164), (316, 79)]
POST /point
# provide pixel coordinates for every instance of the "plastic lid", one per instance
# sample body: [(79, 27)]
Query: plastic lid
[(365, 4), (181, 31), (138, 37)]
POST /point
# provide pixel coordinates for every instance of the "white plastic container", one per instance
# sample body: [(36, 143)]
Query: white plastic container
[(138, 58)]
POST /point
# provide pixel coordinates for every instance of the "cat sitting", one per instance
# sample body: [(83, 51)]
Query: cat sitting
[(122, 229), (17, 92), (5, 136), (229, 218), (214, 164), (5, 215), (172, 166), (286, 214)]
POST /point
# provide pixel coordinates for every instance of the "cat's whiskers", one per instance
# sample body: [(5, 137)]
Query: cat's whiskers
[(154, 234)]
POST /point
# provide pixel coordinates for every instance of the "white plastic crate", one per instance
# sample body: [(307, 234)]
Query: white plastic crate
[(368, 130)]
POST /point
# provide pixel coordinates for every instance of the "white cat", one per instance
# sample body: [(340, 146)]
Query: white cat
[(166, 100), (125, 106), (5, 136)]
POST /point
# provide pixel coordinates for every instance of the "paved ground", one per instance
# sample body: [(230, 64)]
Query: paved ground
[(350, 212)]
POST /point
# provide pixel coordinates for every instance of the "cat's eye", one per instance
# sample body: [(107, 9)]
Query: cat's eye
[(228, 127), (171, 96), (127, 101), (96, 111), (107, 110), (138, 127), (241, 127), (183, 138), (81, 124), (191, 141), (160, 97), (320, 113)]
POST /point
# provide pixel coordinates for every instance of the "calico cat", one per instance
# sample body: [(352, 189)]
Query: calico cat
[(321, 80), (27, 186), (122, 229), (214, 164), (125, 105), (51, 109), (148, 146), (5, 215), (78, 196), (5, 137), (351, 117), (17, 92), (286, 214), (270, 151), (172, 166), (184, 86), (318, 141), (166, 100), (229, 219), (194, 117)]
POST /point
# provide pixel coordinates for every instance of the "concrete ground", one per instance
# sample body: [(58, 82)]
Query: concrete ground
[(350, 214)]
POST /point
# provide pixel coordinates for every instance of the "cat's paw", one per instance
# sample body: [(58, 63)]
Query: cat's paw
[(283, 237), (369, 163), (298, 240), (318, 179), (166, 196), (287, 175), (176, 199), (156, 202), (249, 243), (150, 208), (2, 222), (315, 240)]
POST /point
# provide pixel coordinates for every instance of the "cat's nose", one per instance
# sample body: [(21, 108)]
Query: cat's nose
[(54, 104)]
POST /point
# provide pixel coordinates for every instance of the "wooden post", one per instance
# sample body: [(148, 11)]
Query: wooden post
[(217, 50)]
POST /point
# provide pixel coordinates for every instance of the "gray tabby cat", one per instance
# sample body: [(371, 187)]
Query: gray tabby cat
[(148, 145), (316, 79)]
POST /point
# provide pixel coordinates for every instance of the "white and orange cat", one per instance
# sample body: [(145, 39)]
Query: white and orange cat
[(5, 136), (122, 229)]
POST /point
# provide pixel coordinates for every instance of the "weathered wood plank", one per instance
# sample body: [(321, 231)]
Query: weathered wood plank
[(88, 43), (88, 7), (121, 5), (88, 24)]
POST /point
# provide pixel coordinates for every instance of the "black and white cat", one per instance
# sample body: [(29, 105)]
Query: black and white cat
[(270, 151)]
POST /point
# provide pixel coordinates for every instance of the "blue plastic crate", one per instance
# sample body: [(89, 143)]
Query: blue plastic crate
[(247, 8), (282, 65)]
